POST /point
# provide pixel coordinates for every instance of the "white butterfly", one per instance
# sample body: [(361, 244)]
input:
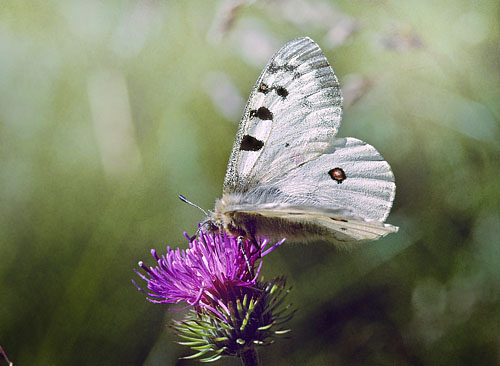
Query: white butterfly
[(288, 176)]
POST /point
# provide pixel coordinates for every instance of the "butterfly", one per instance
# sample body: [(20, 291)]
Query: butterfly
[(288, 175)]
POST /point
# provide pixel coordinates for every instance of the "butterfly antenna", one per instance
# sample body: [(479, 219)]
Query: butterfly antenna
[(184, 199)]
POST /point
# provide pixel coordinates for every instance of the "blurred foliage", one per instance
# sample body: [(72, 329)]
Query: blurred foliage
[(108, 110)]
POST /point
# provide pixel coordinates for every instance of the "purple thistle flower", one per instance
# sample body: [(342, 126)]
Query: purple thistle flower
[(232, 312), (210, 274)]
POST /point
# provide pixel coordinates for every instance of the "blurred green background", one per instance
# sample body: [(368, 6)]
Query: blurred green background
[(109, 110)]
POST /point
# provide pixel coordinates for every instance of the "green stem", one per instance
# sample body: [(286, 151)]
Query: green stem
[(250, 357)]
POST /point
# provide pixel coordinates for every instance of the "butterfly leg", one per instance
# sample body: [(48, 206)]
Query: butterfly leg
[(240, 244), (256, 245), (191, 238), (195, 235)]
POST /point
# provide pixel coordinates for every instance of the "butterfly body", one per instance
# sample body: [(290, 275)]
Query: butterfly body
[(252, 225), (298, 226), (288, 174)]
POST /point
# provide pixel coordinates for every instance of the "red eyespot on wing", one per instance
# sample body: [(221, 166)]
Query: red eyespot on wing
[(336, 219), (337, 174)]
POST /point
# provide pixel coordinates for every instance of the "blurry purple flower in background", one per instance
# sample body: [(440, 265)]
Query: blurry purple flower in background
[(232, 311)]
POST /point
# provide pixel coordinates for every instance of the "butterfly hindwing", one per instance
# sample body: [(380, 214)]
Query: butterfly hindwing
[(306, 223), (291, 117), (343, 195), (353, 175)]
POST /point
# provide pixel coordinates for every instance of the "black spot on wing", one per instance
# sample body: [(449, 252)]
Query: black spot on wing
[(273, 68), (263, 88), (250, 143), (282, 92), (340, 220), (263, 113)]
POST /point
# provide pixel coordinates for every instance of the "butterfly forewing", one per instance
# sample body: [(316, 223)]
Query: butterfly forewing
[(292, 116)]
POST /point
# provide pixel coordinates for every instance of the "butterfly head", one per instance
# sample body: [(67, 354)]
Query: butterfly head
[(211, 225)]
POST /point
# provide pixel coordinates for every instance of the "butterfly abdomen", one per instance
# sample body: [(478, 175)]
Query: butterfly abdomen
[(294, 227)]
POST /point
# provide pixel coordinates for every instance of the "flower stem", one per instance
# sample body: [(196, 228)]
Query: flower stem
[(250, 357)]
